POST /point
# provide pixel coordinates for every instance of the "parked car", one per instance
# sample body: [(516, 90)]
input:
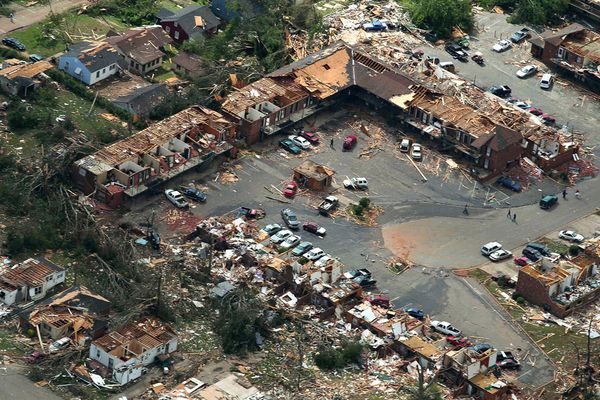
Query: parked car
[(281, 236), (509, 183), (480, 347), (508, 364), (323, 261), (314, 254), (328, 204), (542, 248), (34, 357), (35, 57), (522, 261), (532, 254), (300, 142), (457, 341), (251, 213), (501, 91), (548, 119), (272, 229), (364, 280), (289, 146), (546, 81), (548, 201), (375, 26), (14, 43), (490, 248), (356, 183), (405, 145), (349, 142), (535, 111), (416, 152), (500, 255), (445, 328), (415, 312), (291, 241), (315, 228), (520, 35), (522, 105), (501, 46), (379, 300), (571, 236), (312, 137), (59, 344), (353, 273), (527, 71), (176, 198), (290, 218), (302, 248), (290, 189), (194, 194), (456, 51)]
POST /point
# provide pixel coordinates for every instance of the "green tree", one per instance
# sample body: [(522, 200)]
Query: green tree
[(442, 15), (365, 203)]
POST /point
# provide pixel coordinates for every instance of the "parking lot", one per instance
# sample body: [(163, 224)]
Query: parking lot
[(569, 104)]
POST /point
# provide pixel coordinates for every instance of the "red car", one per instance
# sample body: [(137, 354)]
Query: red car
[(536, 111), (522, 261), (380, 300), (311, 137), (313, 227), (457, 341), (548, 119), (290, 189), (350, 142)]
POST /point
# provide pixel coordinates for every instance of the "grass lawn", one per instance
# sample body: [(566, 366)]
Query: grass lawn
[(163, 73), (175, 5), (8, 343)]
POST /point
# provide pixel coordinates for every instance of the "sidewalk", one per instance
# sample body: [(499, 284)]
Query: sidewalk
[(25, 16)]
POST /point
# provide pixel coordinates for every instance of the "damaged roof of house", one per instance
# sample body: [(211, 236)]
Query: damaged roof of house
[(142, 44), (31, 272), (26, 70), (94, 55)]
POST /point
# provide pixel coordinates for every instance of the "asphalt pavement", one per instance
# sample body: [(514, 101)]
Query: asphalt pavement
[(14, 385)]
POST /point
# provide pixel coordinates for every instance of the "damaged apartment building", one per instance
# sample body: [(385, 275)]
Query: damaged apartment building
[(492, 139), (191, 138)]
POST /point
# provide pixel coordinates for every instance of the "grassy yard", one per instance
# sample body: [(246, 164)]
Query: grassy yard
[(8, 344), (174, 5), (163, 73)]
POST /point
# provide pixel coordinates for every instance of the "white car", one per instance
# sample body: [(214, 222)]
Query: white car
[(445, 327), (571, 236), (300, 142), (501, 46), (526, 71), (500, 255), (314, 254), (405, 145), (356, 183), (281, 236), (176, 198), (323, 261), (290, 241), (490, 248), (416, 151)]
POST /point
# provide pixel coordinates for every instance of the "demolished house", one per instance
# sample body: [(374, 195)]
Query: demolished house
[(191, 138), (126, 351), (29, 281), (76, 313), (22, 79), (564, 287), (314, 176)]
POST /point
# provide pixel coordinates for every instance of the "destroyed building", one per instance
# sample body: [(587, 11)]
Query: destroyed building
[(29, 281), (192, 22), (126, 351), (22, 79), (564, 287), (90, 62), (76, 313), (314, 176), (191, 138), (574, 51)]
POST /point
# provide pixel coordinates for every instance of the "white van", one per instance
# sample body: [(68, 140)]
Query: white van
[(546, 81)]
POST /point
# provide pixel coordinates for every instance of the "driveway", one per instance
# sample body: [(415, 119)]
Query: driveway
[(14, 384), (569, 104)]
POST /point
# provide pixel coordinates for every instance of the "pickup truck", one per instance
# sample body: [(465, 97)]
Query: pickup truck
[(328, 204)]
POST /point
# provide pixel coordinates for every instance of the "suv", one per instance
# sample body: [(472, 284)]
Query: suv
[(456, 51), (542, 248), (490, 248), (546, 81), (290, 218), (532, 254), (548, 201), (405, 145), (14, 43), (500, 91)]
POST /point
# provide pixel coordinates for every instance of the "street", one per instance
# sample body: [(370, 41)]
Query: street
[(14, 384)]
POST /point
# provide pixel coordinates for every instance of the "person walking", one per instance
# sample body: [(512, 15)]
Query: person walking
[(331, 144), (508, 214), (466, 209), (12, 17), (577, 194), (564, 193), (515, 218)]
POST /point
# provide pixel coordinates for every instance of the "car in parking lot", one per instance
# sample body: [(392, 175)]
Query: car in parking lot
[(315, 228), (290, 189), (522, 261), (290, 218), (445, 328), (323, 261), (500, 255), (314, 254), (535, 111), (353, 273), (405, 145), (14, 43), (312, 137), (415, 313), (501, 46), (291, 241), (302, 248), (416, 152), (571, 236), (548, 119), (508, 363), (480, 347), (548, 201), (194, 194), (509, 183), (520, 35), (349, 142), (542, 248), (490, 248), (527, 71), (546, 81), (300, 142), (532, 254), (272, 229), (500, 90), (356, 183), (281, 236), (522, 105), (289, 146), (457, 341), (176, 198), (456, 51)]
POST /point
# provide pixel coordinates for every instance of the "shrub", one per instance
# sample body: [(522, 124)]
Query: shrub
[(365, 203), (358, 210), (520, 300), (334, 358), (574, 250)]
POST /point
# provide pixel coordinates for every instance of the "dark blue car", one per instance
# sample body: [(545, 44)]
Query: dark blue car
[(194, 194), (415, 312), (509, 184)]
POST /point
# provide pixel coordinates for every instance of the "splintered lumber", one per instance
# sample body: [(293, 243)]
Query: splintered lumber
[(417, 168)]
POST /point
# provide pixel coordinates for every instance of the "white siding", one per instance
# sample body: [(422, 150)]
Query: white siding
[(9, 297), (103, 75)]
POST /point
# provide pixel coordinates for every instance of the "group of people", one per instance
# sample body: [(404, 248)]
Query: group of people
[(577, 194)]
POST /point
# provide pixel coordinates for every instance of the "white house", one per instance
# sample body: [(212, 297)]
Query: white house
[(29, 280), (127, 350), (90, 62)]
